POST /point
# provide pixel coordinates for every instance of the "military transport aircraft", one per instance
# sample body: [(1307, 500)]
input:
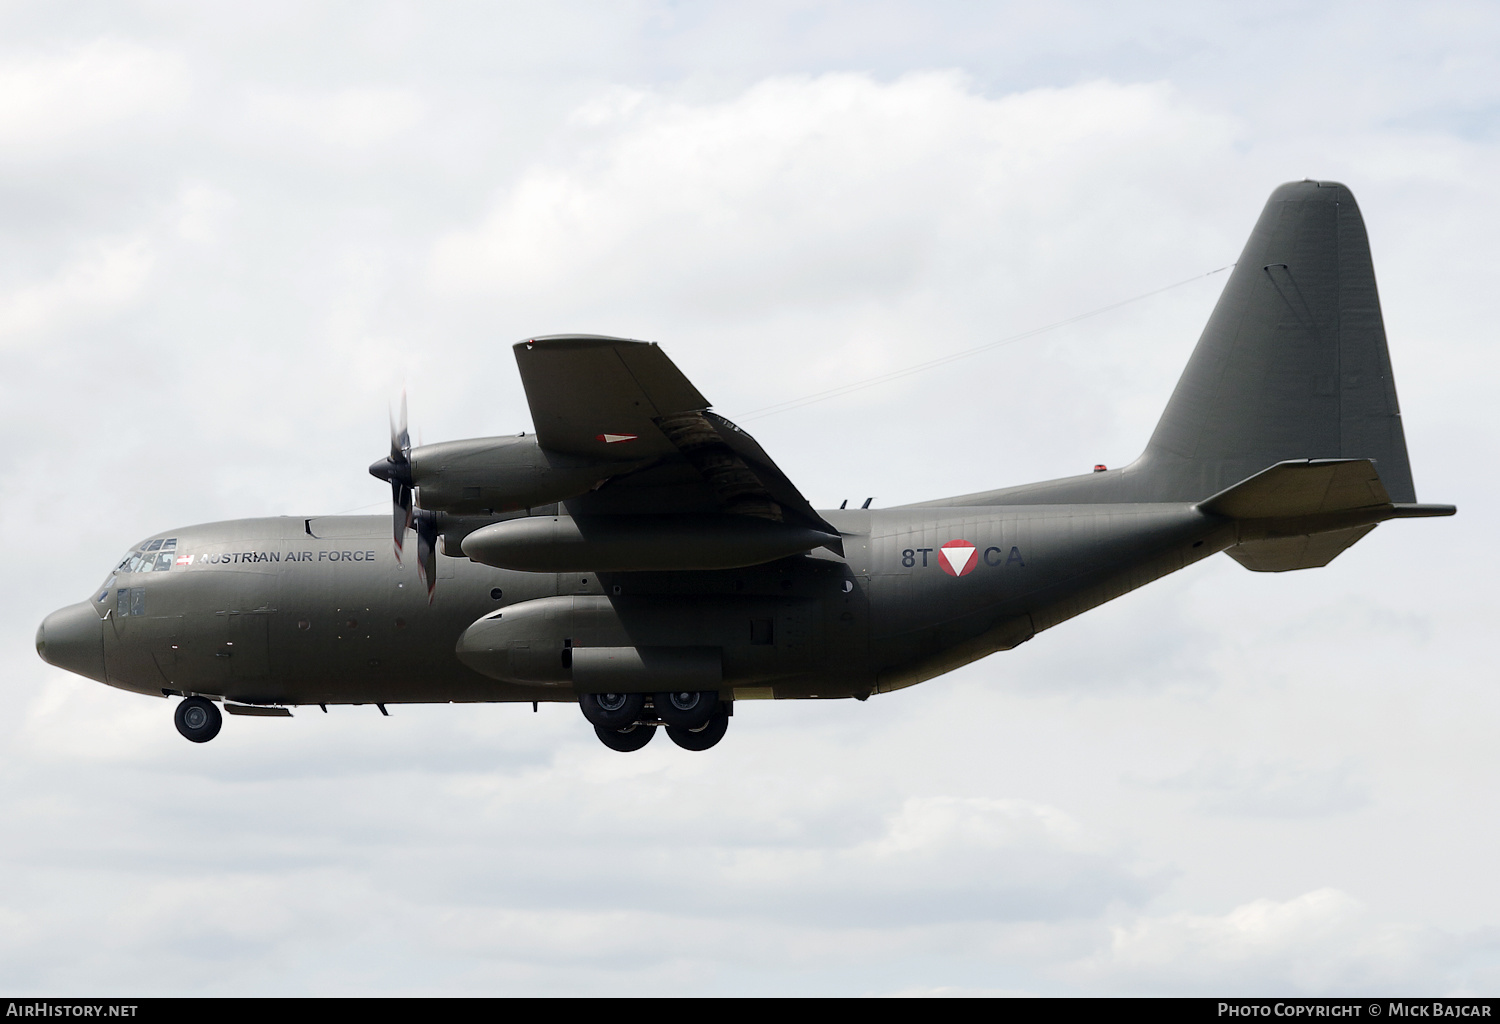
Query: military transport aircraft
[(643, 557)]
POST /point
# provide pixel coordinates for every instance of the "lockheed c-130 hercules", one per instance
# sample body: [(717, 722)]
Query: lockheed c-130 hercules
[(642, 556)]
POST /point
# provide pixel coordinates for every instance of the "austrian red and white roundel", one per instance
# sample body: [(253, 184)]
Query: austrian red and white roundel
[(958, 557)]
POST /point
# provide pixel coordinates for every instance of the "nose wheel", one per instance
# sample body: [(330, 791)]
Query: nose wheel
[(198, 719)]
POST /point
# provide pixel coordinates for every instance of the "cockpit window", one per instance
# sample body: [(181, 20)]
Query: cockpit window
[(152, 556)]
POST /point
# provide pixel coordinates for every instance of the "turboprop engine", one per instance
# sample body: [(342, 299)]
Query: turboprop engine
[(502, 474)]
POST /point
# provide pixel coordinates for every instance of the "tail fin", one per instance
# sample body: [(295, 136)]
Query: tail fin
[(1291, 367), (1293, 361)]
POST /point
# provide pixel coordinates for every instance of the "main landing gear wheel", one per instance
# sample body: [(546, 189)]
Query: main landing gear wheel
[(625, 740), (686, 709), (701, 738), (198, 719), (613, 711)]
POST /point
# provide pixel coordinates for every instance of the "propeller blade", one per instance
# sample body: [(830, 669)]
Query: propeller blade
[(401, 514), (426, 524), (400, 437)]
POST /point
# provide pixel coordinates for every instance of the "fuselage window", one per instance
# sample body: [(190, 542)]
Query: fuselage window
[(130, 601)]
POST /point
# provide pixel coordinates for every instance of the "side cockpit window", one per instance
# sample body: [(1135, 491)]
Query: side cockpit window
[(153, 556)]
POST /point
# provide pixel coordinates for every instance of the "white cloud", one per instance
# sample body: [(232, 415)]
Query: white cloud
[(69, 100), (102, 276), (1270, 789), (1324, 942), (804, 190), (352, 120), (202, 212)]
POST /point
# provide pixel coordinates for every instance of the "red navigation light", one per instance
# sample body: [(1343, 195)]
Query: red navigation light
[(1101, 467)]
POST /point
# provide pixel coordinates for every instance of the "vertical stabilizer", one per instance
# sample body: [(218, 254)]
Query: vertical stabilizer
[(1293, 361)]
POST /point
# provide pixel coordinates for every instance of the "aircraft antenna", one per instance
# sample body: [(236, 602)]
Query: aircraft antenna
[(844, 389)]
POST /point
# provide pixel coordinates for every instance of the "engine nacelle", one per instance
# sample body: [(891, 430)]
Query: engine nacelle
[(502, 474), (625, 543)]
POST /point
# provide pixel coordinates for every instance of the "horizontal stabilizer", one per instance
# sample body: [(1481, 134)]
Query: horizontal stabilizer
[(1302, 514), (1302, 487)]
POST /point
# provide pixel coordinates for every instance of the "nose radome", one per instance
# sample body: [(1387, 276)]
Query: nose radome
[(73, 638)]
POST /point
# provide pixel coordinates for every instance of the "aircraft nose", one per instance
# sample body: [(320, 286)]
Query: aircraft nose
[(73, 638)]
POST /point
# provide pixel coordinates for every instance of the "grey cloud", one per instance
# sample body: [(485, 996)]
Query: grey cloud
[(1267, 789)]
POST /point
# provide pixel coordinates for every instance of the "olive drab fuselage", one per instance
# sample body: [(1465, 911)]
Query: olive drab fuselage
[(319, 611)]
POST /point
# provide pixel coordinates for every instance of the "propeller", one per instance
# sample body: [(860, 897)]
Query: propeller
[(396, 468)]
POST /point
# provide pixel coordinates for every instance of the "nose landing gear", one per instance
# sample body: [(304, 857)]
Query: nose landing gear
[(198, 719)]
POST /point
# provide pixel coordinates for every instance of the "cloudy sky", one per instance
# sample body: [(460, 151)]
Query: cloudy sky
[(230, 240)]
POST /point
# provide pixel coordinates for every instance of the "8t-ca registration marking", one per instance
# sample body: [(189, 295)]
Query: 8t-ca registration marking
[(959, 557)]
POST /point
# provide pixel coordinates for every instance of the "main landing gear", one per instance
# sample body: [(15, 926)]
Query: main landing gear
[(694, 720), (198, 719)]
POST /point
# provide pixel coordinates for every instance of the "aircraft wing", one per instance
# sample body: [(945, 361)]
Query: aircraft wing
[(619, 400)]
